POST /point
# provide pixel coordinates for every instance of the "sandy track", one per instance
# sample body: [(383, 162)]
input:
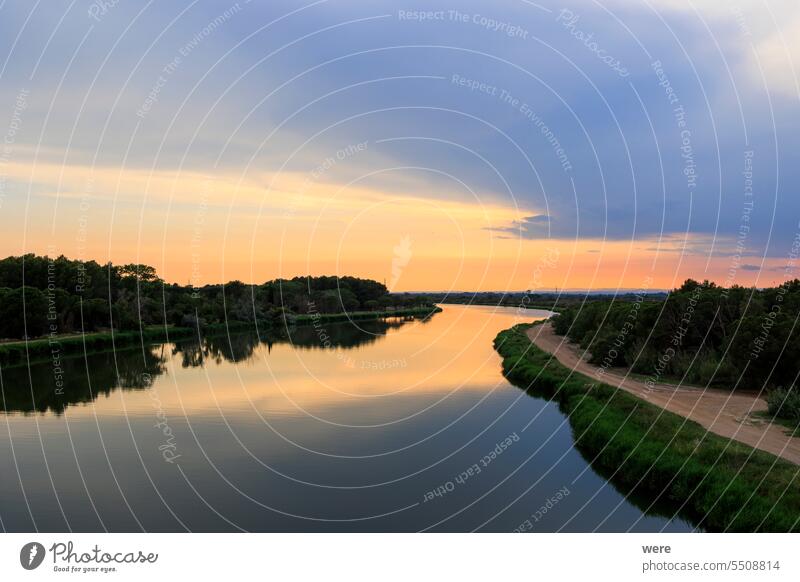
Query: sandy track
[(727, 414)]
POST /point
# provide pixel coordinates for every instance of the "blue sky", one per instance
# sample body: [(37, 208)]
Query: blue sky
[(558, 109)]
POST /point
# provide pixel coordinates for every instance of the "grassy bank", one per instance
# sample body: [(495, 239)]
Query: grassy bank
[(305, 319), (541, 306), (19, 353), (719, 484)]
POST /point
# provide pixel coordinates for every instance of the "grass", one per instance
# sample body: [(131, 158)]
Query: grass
[(718, 484), (21, 352), (513, 305), (304, 319)]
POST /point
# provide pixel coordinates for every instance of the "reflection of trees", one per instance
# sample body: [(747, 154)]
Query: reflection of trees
[(235, 347), (192, 353), (344, 335), (240, 347), (135, 369), (232, 348), (52, 389)]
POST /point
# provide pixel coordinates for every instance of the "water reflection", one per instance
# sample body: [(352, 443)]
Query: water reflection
[(34, 389), (279, 433)]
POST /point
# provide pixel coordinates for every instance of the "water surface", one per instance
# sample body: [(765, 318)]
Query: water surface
[(397, 425)]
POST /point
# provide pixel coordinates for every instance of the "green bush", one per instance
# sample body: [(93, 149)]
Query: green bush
[(784, 403)]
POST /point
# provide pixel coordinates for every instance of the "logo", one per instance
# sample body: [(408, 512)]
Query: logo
[(31, 555), (402, 256)]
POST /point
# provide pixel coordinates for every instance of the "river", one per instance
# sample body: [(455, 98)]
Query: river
[(395, 425)]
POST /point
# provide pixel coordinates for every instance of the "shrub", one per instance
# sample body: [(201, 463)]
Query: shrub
[(784, 403)]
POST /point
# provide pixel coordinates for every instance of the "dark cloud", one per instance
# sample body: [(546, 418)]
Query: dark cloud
[(537, 226)]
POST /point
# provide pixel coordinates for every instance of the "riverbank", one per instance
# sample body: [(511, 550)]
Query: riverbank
[(737, 415), (22, 352), (552, 308), (721, 484)]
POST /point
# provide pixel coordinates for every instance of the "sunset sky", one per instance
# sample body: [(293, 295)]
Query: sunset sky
[(479, 145)]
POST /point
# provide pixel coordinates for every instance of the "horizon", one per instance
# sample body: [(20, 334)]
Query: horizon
[(543, 291)]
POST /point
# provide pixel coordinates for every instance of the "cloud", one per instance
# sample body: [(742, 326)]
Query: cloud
[(534, 227), (699, 245), (241, 108), (764, 35)]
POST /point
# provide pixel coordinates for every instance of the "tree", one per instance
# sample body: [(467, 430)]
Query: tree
[(23, 313), (88, 296)]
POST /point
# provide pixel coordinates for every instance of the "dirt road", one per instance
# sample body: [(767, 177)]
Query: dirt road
[(727, 414)]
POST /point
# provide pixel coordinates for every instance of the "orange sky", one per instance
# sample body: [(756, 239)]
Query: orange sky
[(203, 229)]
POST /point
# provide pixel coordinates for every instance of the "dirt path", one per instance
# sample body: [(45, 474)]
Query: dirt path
[(727, 414)]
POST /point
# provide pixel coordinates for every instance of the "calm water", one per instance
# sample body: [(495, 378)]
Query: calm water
[(289, 435)]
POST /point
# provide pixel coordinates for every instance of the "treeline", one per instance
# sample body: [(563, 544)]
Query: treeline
[(737, 338), (40, 295), (533, 300)]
